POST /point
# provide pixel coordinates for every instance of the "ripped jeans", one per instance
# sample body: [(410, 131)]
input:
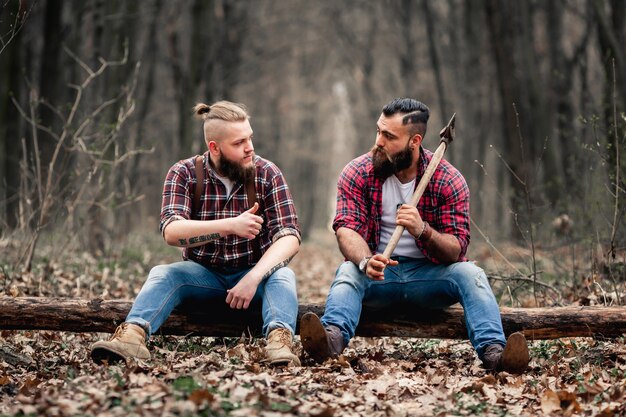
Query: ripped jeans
[(420, 283)]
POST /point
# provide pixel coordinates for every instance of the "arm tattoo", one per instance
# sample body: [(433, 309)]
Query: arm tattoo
[(203, 238), (182, 241), (277, 267)]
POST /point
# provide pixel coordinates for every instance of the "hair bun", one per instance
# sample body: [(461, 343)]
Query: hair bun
[(201, 110)]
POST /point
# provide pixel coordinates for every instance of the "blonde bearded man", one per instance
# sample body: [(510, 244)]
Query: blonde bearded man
[(220, 261)]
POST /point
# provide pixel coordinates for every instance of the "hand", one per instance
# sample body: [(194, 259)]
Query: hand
[(248, 224), (241, 294), (376, 267), (408, 217)]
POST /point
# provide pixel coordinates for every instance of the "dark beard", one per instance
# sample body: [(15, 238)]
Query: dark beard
[(234, 171), (385, 166)]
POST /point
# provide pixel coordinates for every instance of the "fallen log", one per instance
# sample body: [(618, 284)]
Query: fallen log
[(78, 315)]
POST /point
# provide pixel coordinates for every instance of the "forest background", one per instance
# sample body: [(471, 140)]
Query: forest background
[(97, 97), (95, 106)]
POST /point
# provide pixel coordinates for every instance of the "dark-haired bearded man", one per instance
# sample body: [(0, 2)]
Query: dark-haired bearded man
[(428, 268)]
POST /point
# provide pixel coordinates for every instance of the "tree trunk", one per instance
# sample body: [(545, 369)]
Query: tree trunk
[(50, 83), (429, 18), (77, 315), (610, 19), (499, 17), (11, 124)]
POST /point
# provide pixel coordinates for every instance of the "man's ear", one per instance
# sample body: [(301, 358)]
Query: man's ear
[(416, 140), (214, 149)]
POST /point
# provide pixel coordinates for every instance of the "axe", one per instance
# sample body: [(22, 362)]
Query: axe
[(447, 136)]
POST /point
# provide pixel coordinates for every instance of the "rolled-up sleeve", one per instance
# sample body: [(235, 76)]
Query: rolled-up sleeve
[(351, 209), (280, 209), (453, 214), (176, 201)]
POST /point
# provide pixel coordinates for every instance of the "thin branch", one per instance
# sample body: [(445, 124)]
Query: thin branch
[(32, 121), (526, 278), (528, 202), (34, 130), (508, 167), (79, 61), (616, 210), (20, 21), (617, 167), (494, 248)]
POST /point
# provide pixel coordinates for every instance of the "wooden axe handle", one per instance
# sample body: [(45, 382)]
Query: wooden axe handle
[(447, 134)]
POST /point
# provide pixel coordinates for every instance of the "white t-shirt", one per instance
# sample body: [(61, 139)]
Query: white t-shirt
[(228, 183), (395, 194)]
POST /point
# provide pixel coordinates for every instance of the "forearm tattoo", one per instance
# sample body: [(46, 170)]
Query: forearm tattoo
[(201, 238), (277, 267)]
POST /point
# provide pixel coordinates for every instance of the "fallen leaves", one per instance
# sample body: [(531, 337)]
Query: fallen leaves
[(51, 373), (564, 401)]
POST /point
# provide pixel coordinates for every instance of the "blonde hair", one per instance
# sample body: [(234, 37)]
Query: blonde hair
[(221, 110)]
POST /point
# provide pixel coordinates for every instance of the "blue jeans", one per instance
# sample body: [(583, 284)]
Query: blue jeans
[(420, 283), (169, 286)]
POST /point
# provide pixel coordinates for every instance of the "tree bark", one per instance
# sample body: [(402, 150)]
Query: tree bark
[(78, 315), (11, 124), (429, 18)]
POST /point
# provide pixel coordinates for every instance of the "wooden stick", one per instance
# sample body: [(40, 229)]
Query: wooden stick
[(447, 135)]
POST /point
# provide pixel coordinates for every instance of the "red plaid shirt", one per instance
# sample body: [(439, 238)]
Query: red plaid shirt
[(272, 192), (444, 204)]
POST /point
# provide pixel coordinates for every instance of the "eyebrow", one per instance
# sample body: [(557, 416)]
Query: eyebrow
[(244, 137), (386, 132)]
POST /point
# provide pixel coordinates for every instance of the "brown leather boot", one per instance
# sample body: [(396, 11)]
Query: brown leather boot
[(513, 358), (319, 342), (128, 341), (279, 348)]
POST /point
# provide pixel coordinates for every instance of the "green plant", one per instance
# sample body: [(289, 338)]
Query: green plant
[(185, 384), (426, 346)]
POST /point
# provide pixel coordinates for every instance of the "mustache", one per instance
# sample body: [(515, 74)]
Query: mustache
[(377, 150)]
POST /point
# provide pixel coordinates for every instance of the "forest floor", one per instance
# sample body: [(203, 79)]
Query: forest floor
[(50, 373)]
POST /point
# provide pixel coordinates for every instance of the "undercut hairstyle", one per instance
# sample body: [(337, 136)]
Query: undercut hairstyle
[(216, 113), (415, 112), (221, 110)]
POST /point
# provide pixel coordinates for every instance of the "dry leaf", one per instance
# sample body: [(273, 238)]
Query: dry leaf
[(550, 402)]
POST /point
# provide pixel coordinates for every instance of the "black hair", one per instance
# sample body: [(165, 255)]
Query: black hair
[(417, 113)]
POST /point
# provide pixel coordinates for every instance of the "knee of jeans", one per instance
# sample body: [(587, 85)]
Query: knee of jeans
[(285, 276), (468, 274), (349, 274), (160, 273)]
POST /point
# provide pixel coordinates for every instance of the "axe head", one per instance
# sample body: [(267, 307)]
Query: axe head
[(447, 133)]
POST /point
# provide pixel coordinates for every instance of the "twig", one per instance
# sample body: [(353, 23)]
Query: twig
[(488, 241), (527, 278), (20, 21), (616, 210), (528, 203)]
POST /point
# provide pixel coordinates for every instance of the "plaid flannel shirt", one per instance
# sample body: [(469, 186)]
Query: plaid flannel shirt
[(273, 196), (444, 204)]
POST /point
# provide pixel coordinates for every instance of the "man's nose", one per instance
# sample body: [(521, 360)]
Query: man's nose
[(380, 142)]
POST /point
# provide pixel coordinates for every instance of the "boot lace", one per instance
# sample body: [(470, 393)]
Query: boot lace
[(285, 338), (282, 336), (119, 332)]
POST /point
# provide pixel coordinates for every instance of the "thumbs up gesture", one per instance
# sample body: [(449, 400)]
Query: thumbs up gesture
[(248, 224)]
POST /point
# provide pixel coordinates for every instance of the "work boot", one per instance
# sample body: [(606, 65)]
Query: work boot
[(513, 358), (319, 342), (279, 348), (128, 341)]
